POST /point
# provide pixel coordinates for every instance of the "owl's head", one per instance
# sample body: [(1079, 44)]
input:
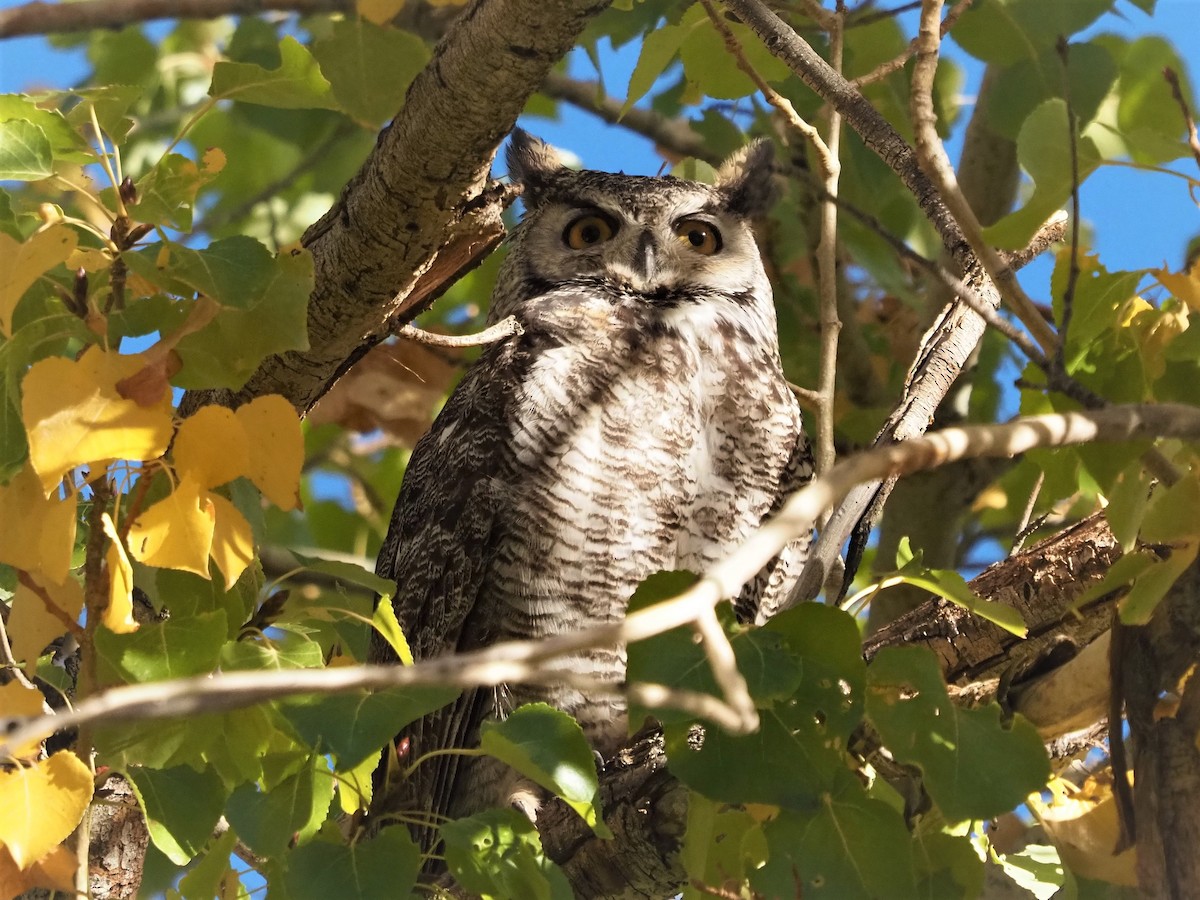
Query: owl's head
[(652, 236)]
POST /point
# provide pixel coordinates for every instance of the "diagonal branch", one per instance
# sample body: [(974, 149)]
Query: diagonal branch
[(421, 210), (523, 661), (64, 18)]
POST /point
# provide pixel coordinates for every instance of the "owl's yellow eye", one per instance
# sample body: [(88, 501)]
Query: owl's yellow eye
[(698, 235), (588, 231)]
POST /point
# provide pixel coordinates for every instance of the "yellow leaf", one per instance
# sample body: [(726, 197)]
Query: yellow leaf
[(37, 533), (25, 263), (18, 700), (211, 447), (41, 804), (1184, 286), (378, 12), (1082, 823), (74, 414), (89, 259), (118, 615), (233, 541), (55, 871), (32, 626), (213, 161), (177, 531), (276, 448)]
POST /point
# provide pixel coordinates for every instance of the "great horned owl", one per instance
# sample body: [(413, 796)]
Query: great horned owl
[(640, 422)]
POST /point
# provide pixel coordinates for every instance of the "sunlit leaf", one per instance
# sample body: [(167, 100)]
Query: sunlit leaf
[(167, 193), (26, 261), (18, 700), (37, 533), (370, 67), (75, 415), (177, 531), (232, 541), (908, 704), (170, 648), (383, 866), (498, 853), (25, 153), (182, 807), (53, 872), (547, 746), (276, 447), (211, 447), (118, 615), (296, 84), (33, 624), (41, 803)]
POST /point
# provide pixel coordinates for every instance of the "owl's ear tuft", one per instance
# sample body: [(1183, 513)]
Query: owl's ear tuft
[(533, 164), (745, 179)]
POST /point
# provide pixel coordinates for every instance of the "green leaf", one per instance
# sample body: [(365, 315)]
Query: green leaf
[(384, 621), (547, 746), (848, 847), (227, 351), (721, 843), (347, 572), (356, 725), (1174, 513), (828, 644), (498, 853), (296, 84), (384, 866), (204, 880), (1021, 88), (369, 67), (658, 50), (167, 193), (975, 767), (794, 759), (64, 141), (711, 68), (182, 807), (286, 651), (950, 585), (174, 648), (1147, 114), (1044, 152), (245, 736), (675, 659), (1127, 504), (1151, 585), (268, 821), (1037, 869), (947, 865), (1008, 31), (25, 153), (234, 271)]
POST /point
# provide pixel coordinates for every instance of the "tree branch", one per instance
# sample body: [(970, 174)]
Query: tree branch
[(421, 209), (521, 661), (65, 18)]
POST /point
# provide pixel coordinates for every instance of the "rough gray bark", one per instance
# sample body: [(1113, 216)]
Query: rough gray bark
[(421, 210)]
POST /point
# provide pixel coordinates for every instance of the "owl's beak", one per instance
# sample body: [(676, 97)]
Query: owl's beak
[(645, 257)]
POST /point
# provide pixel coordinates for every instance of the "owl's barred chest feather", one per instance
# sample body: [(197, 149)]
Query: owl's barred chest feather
[(640, 422), (643, 443)]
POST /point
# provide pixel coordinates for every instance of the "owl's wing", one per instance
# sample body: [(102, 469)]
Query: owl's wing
[(439, 550)]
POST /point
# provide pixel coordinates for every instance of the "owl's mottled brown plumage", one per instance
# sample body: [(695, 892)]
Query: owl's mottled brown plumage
[(641, 422)]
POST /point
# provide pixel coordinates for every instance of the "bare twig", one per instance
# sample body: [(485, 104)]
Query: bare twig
[(931, 155), (493, 334), (725, 669), (1023, 526), (521, 661), (1068, 298), (63, 18), (827, 157), (1188, 120), (675, 135), (883, 70)]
